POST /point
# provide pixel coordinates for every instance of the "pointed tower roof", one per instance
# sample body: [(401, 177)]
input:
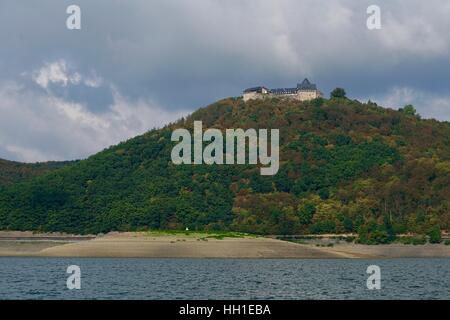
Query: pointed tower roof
[(306, 85)]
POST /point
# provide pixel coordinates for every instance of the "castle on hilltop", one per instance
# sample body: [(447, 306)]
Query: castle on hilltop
[(303, 92)]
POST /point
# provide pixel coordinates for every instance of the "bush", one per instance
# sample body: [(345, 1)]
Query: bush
[(435, 235), (417, 240), (318, 102), (447, 242), (350, 239), (375, 234), (327, 226), (380, 237)]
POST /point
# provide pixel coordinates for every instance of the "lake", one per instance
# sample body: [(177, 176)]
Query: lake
[(45, 278)]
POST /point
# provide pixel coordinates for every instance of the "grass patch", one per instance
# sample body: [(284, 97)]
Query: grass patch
[(415, 240), (218, 235)]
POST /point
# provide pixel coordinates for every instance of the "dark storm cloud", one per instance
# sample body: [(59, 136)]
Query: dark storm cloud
[(174, 56)]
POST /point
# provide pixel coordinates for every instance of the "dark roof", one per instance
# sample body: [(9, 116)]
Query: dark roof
[(306, 85), (284, 91), (255, 89)]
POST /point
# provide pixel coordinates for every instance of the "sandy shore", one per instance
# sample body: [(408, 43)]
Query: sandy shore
[(391, 251), (144, 245)]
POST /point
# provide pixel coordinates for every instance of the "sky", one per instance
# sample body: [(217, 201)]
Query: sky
[(139, 64)]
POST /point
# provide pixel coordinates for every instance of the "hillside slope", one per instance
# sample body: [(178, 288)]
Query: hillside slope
[(12, 172), (345, 166)]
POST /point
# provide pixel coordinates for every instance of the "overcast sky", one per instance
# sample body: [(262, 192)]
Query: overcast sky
[(138, 64)]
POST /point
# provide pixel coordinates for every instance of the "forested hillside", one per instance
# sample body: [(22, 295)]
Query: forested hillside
[(13, 172), (345, 166)]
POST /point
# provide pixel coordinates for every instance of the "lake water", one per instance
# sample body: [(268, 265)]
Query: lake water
[(45, 278)]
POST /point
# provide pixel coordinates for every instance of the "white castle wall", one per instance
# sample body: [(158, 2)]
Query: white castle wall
[(253, 95), (306, 95), (303, 95)]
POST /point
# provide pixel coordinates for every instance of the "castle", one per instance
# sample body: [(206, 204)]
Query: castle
[(303, 92)]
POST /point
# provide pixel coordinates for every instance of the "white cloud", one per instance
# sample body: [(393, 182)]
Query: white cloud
[(94, 81), (419, 28), (37, 126), (59, 73), (428, 104), (56, 73), (28, 154)]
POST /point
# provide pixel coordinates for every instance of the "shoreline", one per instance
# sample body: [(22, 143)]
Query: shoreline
[(198, 245)]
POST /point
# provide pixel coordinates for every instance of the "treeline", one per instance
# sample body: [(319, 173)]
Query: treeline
[(12, 172)]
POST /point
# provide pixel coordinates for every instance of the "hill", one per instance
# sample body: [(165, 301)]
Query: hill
[(345, 166), (12, 172)]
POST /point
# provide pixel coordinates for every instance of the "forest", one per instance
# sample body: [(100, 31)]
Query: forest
[(345, 167)]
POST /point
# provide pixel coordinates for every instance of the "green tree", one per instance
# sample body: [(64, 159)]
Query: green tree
[(435, 234), (348, 224), (306, 212), (408, 110), (338, 93)]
